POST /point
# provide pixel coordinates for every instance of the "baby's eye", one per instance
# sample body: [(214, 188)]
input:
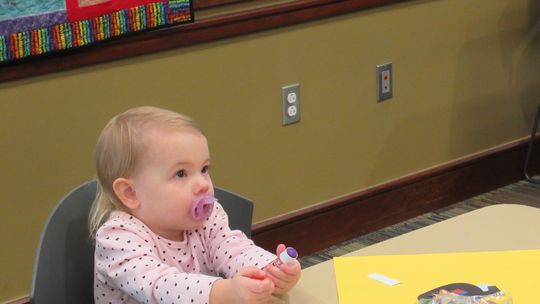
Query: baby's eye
[(181, 173), (205, 169)]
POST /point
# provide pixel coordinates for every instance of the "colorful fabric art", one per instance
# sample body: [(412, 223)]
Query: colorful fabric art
[(34, 27)]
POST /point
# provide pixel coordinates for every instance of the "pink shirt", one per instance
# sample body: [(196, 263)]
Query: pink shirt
[(134, 265)]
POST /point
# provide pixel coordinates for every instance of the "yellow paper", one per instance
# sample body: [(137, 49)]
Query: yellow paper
[(515, 272)]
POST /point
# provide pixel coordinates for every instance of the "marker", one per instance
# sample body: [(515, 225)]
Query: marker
[(287, 256)]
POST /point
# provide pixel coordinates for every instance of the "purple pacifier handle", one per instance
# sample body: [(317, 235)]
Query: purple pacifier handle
[(202, 207)]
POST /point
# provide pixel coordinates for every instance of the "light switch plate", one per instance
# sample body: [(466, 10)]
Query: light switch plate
[(385, 81)]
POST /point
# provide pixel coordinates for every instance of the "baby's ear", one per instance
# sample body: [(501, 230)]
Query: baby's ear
[(123, 189)]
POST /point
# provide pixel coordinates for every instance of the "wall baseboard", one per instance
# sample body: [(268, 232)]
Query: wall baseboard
[(326, 224), (318, 227)]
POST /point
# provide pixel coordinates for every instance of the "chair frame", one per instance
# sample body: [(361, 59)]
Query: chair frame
[(530, 148)]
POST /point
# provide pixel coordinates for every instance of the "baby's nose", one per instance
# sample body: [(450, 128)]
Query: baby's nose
[(202, 185)]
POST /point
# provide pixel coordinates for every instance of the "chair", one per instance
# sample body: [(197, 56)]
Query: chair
[(64, 266), (238, 208), (530, 148)]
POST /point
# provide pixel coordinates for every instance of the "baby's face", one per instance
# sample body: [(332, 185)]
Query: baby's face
[(172, 172)]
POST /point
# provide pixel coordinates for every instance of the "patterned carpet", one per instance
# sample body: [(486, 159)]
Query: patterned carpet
[(522, 192)]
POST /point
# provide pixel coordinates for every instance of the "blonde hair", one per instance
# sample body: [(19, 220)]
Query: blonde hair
[(118, 148)]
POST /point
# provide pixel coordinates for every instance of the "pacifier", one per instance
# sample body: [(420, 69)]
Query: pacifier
[(202, 207)]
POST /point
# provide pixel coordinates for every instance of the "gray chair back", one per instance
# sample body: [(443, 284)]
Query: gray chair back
[(64, 266)]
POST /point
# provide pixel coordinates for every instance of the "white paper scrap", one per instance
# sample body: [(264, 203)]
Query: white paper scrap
[(484, 287), (383, 279)]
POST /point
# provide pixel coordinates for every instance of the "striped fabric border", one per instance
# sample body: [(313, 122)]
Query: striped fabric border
[(80, 33)]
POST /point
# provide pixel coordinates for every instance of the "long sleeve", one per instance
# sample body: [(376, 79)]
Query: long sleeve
[(231, 250), (132, 263)]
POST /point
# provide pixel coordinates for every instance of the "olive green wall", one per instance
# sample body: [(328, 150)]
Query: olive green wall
[(466, 78)]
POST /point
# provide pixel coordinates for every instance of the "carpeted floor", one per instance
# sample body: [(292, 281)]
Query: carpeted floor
[(522, 192)]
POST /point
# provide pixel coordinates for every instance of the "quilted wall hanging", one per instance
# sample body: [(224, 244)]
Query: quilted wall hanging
[(34, 27)]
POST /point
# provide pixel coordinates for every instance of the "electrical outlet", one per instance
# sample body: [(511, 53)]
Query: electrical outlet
[(290, 99), (385, 81)]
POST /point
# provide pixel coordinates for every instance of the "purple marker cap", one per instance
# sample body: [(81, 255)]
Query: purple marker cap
[(288, 255), (202, 207), (292, 252)]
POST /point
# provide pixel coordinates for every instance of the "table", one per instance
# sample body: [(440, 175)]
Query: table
[(496, 227)]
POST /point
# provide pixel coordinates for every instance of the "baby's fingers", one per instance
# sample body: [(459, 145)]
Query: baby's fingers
[(291, 269)]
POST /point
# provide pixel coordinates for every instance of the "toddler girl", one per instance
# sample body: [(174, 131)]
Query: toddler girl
[(152, 246)]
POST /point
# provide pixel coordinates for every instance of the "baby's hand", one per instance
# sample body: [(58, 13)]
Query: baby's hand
[(250, 285), (284, 277)]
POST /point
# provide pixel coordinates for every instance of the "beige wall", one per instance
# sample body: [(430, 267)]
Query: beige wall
[(466, 78)]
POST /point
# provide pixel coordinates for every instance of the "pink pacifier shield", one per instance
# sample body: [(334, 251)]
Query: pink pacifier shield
[(202, 207)]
